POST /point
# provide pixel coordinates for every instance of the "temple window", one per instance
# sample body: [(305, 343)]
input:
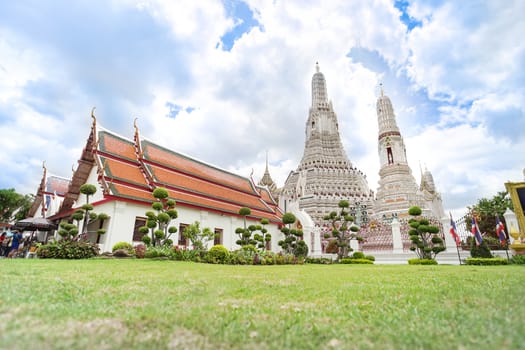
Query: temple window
[(390, 155), (182, 240), (139, 222), (218, 236)]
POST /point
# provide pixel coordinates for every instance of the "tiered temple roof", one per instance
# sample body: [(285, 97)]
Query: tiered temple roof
[(129, 170)]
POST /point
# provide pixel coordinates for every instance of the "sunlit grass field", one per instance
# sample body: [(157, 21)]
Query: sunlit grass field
[(146, 304)]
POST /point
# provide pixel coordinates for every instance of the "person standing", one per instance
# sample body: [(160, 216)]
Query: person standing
[(3, 240), (15, 243)]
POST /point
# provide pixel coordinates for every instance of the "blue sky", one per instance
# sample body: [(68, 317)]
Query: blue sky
[(226, 81)]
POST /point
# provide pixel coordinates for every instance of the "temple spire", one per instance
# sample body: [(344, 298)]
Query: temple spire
[(319, 94)]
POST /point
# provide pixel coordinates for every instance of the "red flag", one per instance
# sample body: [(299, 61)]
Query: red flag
[(475, 231), (454, 231)]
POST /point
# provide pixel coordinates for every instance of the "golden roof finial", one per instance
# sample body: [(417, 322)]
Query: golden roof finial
[(382, 91), (44, 165), (93, 114)]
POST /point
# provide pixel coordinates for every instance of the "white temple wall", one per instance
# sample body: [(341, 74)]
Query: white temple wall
[(121, 224)]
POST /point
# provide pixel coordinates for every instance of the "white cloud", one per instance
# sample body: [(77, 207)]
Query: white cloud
[(139, 55)]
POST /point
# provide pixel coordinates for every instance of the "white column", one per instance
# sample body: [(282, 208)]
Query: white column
[(354, 244), (316, 249), (396, 236), (450, 243), (512, 224)]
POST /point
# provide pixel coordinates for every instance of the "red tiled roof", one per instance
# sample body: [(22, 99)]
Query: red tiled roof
[(157, 154), (57, 184), (203, 187), (125, 171), (130, 192), (116, 145), (190, 183)]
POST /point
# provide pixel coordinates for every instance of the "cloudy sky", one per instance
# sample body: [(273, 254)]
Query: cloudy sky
[(227, 81)]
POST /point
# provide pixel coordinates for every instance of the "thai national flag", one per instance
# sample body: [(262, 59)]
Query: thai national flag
[(500, 231), (475, 231), (454, 231)]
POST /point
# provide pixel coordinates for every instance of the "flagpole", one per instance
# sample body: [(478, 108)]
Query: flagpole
[(459, 256)]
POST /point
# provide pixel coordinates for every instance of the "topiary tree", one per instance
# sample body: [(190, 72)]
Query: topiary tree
[(343, 229), (248, 235), (88, 190), (243, 232), (424, 237), (67, 230), (84, 215), (262, 238), (158, 221), (291, 244), (198, 237)]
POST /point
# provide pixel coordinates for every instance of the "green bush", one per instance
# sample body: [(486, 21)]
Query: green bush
[(124, 246), (301, 250), (159, 252), (518, 259), (358, 255), (486, 261), (479, 251), (370, 257), (218, 254), (187, 254), (355, 261), (68, 249), (417, 261), (325, 261)]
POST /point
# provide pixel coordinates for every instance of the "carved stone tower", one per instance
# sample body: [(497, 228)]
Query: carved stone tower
[(398, 189), (325, 175)]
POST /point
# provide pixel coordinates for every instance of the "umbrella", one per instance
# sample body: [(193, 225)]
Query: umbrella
[(32, 224)]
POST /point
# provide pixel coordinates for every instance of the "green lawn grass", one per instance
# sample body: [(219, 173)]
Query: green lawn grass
[(145, 304)]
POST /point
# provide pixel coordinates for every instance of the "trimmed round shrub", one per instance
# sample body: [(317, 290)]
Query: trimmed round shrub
[(358, 255), (146, 239), (414, 211), (301, 250), (218, 254), (370, 257), (123, 245)]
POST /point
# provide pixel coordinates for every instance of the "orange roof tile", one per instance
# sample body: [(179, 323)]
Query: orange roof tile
[(207, 188), (182, 163), (115, 145), (128, 172), (131, 192), (219, 205)]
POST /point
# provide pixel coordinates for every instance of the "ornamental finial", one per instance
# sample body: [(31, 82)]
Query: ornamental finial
[(93, 114)]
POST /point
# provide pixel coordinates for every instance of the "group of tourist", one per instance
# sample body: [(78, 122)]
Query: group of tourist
[(10, 244)]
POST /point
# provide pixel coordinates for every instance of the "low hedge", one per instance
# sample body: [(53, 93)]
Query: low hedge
[(355, 261), (417, 261), (486, 261)]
